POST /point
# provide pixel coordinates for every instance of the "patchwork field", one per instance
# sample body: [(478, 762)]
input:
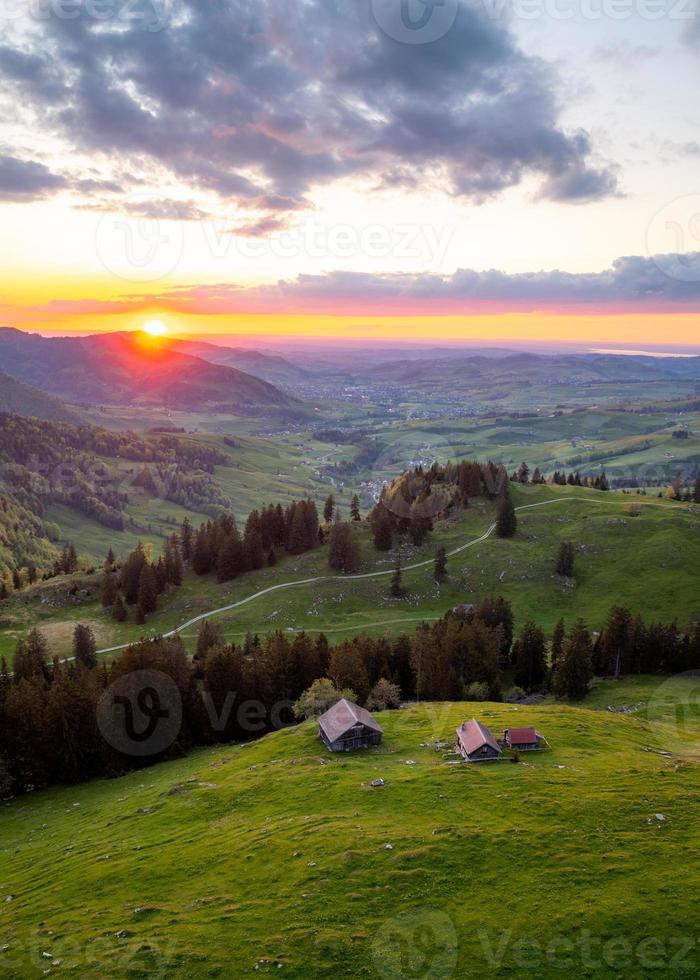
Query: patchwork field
[(558, 864)]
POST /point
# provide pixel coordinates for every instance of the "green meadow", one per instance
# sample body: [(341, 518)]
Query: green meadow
[(645, 562), (556, 866)]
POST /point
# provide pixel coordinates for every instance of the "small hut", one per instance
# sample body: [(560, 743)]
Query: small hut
[(464, 610), (476, 743), (523, 739), (347, 726)]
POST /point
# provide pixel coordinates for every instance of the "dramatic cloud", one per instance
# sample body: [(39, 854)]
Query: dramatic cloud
[(27, 180), (633, 284), (259, 102)]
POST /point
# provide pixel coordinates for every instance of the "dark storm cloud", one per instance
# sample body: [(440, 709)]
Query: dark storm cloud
[(27, 180), (263, 99)]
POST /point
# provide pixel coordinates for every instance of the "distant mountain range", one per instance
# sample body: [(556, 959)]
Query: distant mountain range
[(131, 368), (270, 367)]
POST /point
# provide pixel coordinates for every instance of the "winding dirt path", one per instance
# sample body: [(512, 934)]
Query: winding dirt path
[(347, 578)]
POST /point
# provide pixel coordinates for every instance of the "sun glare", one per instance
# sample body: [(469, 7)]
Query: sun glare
[(155, 328)]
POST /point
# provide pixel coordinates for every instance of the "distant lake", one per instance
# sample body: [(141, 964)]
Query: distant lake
[(639, 353)]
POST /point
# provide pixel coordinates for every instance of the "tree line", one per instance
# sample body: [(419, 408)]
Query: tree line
[(49, 730)]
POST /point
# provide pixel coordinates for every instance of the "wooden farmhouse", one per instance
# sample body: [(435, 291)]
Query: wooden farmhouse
[(523, 739), (476, 743), (346, 726)]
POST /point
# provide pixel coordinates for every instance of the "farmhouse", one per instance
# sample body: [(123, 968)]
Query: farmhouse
[(523, 739), (346, 726), (476, 743)]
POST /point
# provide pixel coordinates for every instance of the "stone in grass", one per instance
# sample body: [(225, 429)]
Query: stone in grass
[(659, 816), (378, 782), (388, 847)]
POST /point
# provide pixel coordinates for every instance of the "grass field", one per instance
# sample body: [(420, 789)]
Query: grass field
[(644, 562), (557, 866)]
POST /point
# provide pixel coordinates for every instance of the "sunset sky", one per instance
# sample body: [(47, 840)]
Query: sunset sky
[(499, 170)]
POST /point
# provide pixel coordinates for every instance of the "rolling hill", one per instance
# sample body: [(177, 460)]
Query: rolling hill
[(129, 368), (24, 399), (445, 871), (642, 562), (270, 367)]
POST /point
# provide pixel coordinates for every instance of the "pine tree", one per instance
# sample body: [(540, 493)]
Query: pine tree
[(186, 540), (84, 647), (506, 520), (109, 588), (329, 508), (530, 660), (396, 589), (523, 473), (148, 590), (208, 636), (343, 550), (31, 657), (565, 559), (119, 611), (574, 671), (696, 491), (355, 514), (557, 643), (230, 562), (440, 565), (382, 529)]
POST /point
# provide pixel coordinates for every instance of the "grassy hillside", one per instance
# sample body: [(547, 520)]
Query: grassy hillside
[(167, 871), (645, 562), (16, 396)]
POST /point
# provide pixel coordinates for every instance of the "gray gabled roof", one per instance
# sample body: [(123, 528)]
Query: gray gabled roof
[(473, 736), (343, 716)]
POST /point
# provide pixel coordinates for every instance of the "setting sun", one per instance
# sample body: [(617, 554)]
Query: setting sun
[(155, 328)]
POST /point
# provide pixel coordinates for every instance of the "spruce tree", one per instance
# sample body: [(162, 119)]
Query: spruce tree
[(355, 514), (506, 520), (329, 508), (382, 529), (84, 647), (396, 589), (557, 643), (343, 550), (440, 565), (574, 671), (530, 659), (565, 559), (119, 611), (148, 590)]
